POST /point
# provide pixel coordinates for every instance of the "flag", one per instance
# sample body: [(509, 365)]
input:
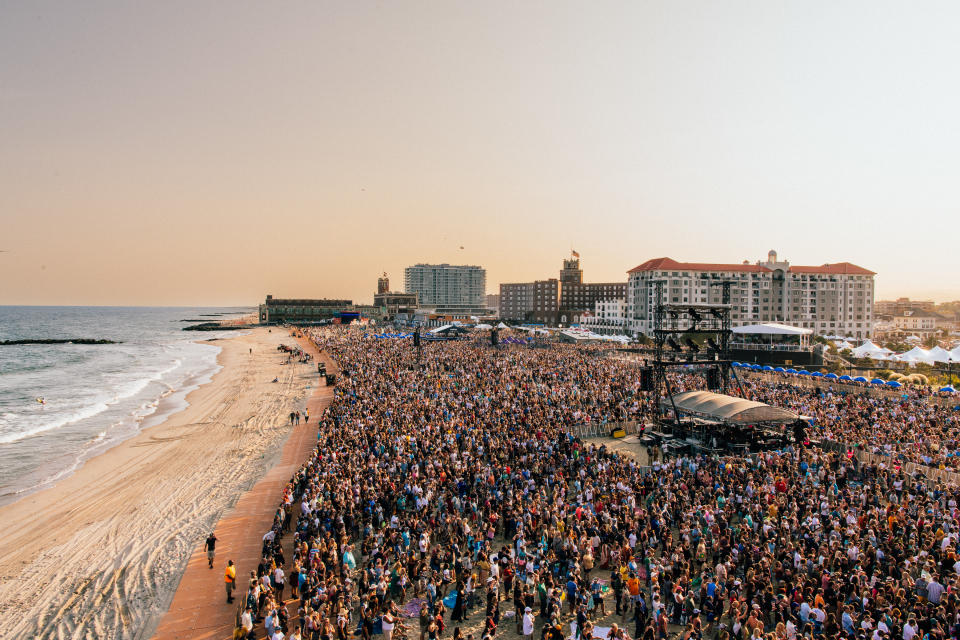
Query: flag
[(574, 253)]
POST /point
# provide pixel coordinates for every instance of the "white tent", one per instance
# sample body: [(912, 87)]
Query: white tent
[(867, 348), (956, 353), (912, 339), (915, 355), (939, 354), (844, 345), (502, 326), (483, 326)]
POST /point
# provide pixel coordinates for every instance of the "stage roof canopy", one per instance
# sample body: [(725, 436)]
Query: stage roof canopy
[(716, 406), (773, 328)]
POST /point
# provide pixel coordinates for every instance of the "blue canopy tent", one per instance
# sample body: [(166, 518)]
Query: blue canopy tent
[(878, 381), (791, 370), (767, 367), (845, 378), (817, 374), (832, 376), (779, 369), (894, 384), (803, 372), (734, 364), (859, 379)]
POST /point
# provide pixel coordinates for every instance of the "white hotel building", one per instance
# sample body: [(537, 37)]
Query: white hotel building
[(832, 299)]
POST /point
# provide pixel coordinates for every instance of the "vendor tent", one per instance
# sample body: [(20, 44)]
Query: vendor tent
[(915, 355)]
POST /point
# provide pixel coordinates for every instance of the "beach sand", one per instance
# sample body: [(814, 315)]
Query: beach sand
[(101, 553)]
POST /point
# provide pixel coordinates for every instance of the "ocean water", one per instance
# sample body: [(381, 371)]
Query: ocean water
[(94, 396)]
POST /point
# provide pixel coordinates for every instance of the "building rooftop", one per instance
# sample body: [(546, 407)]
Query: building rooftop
[(666, 264)]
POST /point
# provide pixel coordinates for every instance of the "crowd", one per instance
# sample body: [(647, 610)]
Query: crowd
[(446, 499)]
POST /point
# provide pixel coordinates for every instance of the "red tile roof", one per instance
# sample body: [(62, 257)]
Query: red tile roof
[(669, 264), (837, 268)]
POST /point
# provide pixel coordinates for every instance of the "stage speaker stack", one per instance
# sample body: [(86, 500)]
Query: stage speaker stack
[(713, 379), (646, 379)]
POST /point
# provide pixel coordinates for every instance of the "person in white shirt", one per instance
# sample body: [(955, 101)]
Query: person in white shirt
[(527, 624), (910, 629)]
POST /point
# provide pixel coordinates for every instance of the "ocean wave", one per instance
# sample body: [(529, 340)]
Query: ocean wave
[(101, 403)]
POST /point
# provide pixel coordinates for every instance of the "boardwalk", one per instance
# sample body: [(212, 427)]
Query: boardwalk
[(199, 610)]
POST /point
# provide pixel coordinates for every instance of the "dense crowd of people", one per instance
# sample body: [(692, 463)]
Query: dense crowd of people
[(446, 499)]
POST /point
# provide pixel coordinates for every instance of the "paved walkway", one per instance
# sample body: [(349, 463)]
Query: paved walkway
[(199, 610)]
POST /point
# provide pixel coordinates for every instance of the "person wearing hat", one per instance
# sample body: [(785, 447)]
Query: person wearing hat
[(527, 625)]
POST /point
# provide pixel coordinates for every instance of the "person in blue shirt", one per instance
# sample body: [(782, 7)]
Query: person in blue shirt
[(572, 590)]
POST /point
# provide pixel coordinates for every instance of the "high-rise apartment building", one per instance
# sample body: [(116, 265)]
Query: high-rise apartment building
[(830, 299), (448, 286)]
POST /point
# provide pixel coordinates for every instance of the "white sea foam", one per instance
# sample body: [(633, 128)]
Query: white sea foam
[(96, 396)]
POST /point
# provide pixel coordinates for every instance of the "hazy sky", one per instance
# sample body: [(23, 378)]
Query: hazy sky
[(188, 152)]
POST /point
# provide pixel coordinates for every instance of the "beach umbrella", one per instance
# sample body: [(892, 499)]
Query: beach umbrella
[(817, 374), (845, 378), (832, 376), (948, 389), (803, 372), (894, 384), (878, 381), (791, 370), (767, 367), (734, 364), (779, 369), (859, 379)]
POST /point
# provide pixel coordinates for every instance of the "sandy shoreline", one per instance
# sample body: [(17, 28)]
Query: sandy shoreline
[(100, 554)]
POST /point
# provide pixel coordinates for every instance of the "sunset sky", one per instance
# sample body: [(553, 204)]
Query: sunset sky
[(191, 152)]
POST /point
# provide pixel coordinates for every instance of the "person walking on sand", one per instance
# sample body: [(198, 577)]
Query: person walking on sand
[(230, 580), (209, 547)]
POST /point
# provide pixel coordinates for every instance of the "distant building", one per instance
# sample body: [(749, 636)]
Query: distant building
[(493, 303), (830, 299), (609, 317), (578, 297), (299, 310), (534, 302), (900, 306), (557, 302), (922, 323), (383, 283), (393, 302), (453, 288)]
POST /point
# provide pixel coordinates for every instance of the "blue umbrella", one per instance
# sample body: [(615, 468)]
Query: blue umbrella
[(779, 369), (767, 367), (845, 378), (817, 374), (734, 364), (803, 372), (756, 367), (878, 381), (832, 376), (894, 384), (948, 389), (791, 370)]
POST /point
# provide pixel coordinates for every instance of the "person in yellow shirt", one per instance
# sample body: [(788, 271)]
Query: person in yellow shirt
[(230, 580)]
